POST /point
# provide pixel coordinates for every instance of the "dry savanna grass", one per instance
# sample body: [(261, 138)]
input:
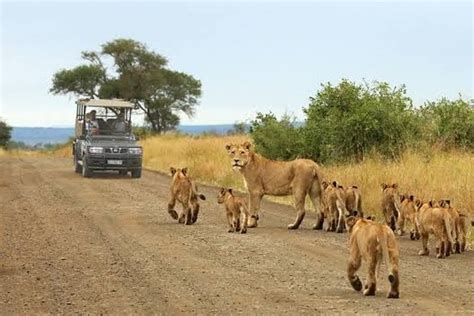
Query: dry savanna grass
[(431, 175), (205, 156)]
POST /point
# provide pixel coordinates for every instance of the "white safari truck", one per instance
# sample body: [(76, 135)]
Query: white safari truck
[(104, 138)]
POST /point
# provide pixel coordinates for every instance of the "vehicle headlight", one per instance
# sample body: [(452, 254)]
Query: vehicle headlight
[(96, 150), (135, 151)]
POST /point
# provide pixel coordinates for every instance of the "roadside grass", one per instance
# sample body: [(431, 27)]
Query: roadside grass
[(205, 156), (427, 175)]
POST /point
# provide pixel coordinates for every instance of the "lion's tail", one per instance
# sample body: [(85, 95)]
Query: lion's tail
[(195, 191), (447, 226), (386, 257)]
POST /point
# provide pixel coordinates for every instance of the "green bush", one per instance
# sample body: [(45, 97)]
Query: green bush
[(276, 139), (449, 123), (348, 121), (5, 134)]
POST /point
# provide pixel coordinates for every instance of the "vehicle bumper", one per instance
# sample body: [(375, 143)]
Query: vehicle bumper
[(102, 162)]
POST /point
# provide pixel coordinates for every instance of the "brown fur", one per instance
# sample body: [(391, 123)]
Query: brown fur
[(235, 207), (408, 215), (353, 200), (371, 242), (390, 204), (465, 231), (432, 219), (334, 207), (299, 177), (455, 224), (184, 190)]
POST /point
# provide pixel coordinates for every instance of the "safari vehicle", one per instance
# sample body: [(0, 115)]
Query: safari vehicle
[(104, 138)]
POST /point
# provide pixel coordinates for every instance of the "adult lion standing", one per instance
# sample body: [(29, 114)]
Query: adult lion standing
[(299, 178)]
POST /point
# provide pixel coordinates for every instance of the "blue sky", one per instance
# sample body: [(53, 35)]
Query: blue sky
[(250, 56)]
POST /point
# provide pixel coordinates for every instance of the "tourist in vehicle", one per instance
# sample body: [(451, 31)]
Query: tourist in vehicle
[(120, 125), (91, 123)]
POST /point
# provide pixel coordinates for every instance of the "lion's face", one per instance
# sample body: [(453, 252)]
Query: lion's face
[(240, 155)]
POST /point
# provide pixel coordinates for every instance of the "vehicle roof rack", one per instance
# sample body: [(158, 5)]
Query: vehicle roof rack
[(106, 103)]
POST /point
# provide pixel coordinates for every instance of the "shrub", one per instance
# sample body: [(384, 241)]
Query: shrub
[(5, 134), (449, 123), (276, 139)]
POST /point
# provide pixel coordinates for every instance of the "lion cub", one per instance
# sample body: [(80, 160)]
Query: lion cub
[(371, 241), (334, 206), (235, 208), (455, 224), (184, 190), (433, 219), (391, 204), (408, 214), (353, 199)]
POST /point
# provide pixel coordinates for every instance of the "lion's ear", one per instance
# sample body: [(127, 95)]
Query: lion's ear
[(172, 170), (228, 146), (247, 145), (324, 184), (448, 202), (412, 198), (334, 184), (355, 213), (430, 203), (395, 185), (384, 186), (230, 191), (222, 190), (185, 171), (418, 203), (402, 197)]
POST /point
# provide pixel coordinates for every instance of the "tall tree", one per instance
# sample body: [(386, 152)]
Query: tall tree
[(138, 75)]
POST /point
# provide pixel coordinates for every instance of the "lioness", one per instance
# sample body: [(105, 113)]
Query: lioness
[(262, 176), (334, 207), (455, 224), (353, 200), (371, 241), (390, 204), (235, 207), (184, 190), (432, 219), (408, 214)]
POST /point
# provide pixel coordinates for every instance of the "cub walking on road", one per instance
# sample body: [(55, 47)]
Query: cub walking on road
[(370, 241), (235, 207), (184, 190)]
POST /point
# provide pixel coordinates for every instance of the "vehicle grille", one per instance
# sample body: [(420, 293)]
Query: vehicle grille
[(115, 150)]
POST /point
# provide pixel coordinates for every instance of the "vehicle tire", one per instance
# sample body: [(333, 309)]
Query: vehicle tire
[(137, 173), (77, 166), (123, 172), (86, 172)]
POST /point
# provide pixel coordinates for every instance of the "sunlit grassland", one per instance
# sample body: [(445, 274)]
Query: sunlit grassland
[(427, 175)]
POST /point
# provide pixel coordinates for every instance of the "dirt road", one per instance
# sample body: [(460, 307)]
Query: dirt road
[(107, 245)]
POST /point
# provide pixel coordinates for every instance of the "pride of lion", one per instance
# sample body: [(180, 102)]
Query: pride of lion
[(338, 209)]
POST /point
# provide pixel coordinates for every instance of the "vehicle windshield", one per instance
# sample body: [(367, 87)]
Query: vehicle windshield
[(106, 122)]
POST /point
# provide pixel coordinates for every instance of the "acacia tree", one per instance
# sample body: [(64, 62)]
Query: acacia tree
[(139, 75)]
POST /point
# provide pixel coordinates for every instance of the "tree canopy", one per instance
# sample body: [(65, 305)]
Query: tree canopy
[(138, 75)]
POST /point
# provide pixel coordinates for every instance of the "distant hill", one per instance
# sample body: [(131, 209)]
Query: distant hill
[(55, 135)]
